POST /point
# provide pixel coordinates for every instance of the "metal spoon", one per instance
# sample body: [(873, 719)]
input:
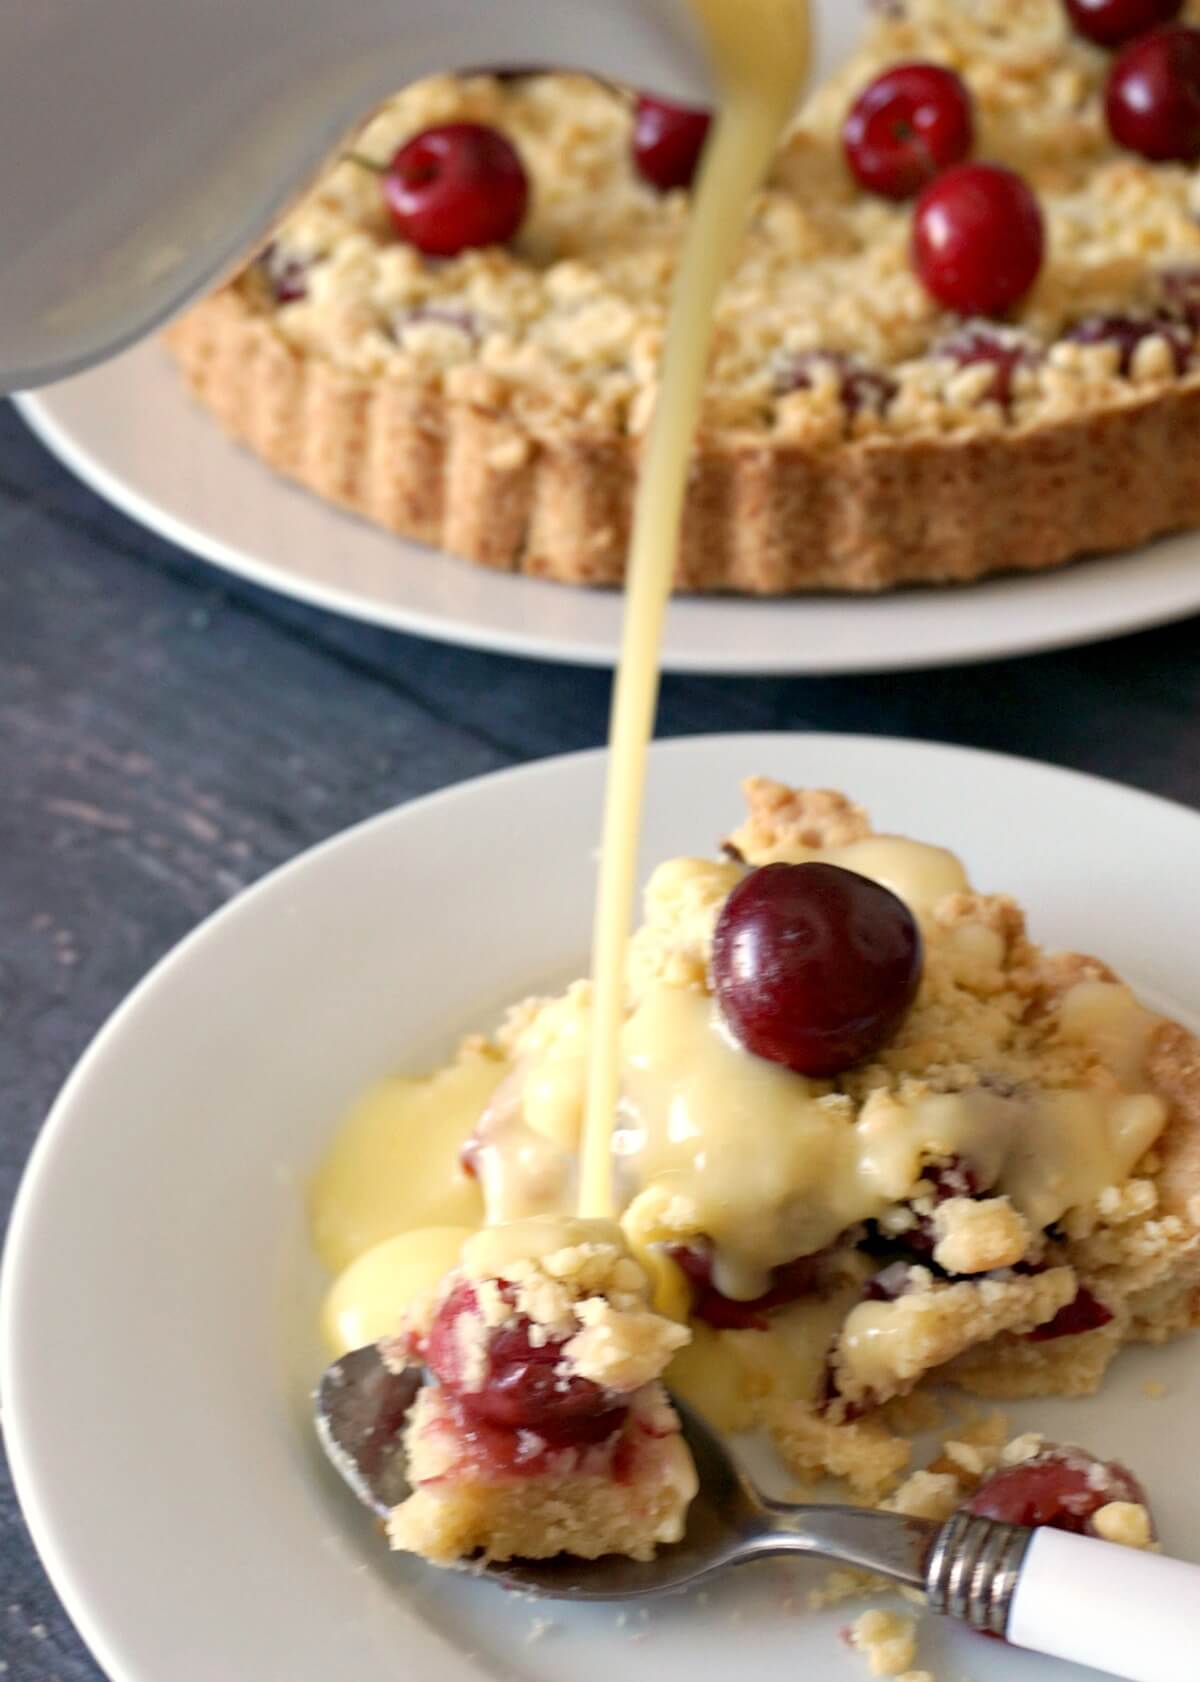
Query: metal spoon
[(1135, 1614)]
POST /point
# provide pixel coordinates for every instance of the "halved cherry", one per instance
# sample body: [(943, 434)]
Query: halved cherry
[(522, 1387)]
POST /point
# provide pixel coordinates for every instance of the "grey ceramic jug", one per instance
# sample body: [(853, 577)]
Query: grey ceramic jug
[(146, 146)]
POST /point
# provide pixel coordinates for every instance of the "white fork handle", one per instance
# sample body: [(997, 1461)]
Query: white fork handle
[(1129, 1613)]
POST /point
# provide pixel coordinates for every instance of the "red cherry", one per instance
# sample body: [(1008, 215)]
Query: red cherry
[(789, 1283), (454, 187), (978, 239), (286, 275), (969, 346), (522, 1389), (1152, 100), (667, 142), (1061, 1488), (1110, 22), (1084, 1313), (905, 127), (814, 966), (860, 386), (1126, 333)]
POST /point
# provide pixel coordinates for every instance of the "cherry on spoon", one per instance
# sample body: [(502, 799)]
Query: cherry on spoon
[(1071, 1596)]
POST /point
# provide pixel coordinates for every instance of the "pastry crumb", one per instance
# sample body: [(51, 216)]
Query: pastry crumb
[(844, 1584), (1125, 1522), (887, 1640)]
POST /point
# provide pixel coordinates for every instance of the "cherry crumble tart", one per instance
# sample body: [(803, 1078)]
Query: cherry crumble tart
[(458, 333)]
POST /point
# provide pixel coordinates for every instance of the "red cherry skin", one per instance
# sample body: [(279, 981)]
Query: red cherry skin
[(1061, 1488), (521, 1388), (1084, 1313), (789, 1283), (969, 346), (907, 126), (1112, 22), (978, 239), (1152, 98), (814, 966), (455, 187), (667, 142)]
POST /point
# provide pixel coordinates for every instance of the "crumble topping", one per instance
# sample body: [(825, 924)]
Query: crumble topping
[(621, 1349), (975, 1236), (566, 1282), (1126, 1522), (889, 1346), (823, 333)]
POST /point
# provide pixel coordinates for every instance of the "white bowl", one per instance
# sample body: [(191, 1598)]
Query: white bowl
[(157, 1320)]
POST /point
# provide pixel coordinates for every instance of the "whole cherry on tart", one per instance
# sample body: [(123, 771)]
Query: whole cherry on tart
[(978, 239), (1152, 97), (667, 142), (814, 966), (454, 187), (907, 126), (1110, 23)]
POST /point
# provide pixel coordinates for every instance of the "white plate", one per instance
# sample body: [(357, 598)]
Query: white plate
[(130, 432), (157, 1317)]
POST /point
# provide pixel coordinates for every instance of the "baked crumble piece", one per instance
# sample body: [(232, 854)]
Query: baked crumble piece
[(546, 1430)]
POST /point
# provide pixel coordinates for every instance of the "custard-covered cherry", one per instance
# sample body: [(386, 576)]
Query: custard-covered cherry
[(1152, 100), (521, 1387), (1111, 22), (814, 966), (978, 239), (456, 186), (905, 127), (667, 142), (1061, 1488)]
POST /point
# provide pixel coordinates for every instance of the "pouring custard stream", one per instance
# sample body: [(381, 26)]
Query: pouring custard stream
[(760, 49), (760, 52)]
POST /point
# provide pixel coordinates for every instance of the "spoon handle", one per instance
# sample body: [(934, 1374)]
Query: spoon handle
[(1133, 1614), (884, 1543)]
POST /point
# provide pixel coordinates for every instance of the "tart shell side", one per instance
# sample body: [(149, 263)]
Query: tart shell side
[(761, 518)]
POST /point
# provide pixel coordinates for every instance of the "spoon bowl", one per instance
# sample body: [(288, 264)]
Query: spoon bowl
[(360, 1413)]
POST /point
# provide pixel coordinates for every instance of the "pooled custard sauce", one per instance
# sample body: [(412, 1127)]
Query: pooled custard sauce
[(770, 1165), (656, 1115)]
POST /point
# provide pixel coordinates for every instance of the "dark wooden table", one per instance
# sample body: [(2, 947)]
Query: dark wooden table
[(167, 735)]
